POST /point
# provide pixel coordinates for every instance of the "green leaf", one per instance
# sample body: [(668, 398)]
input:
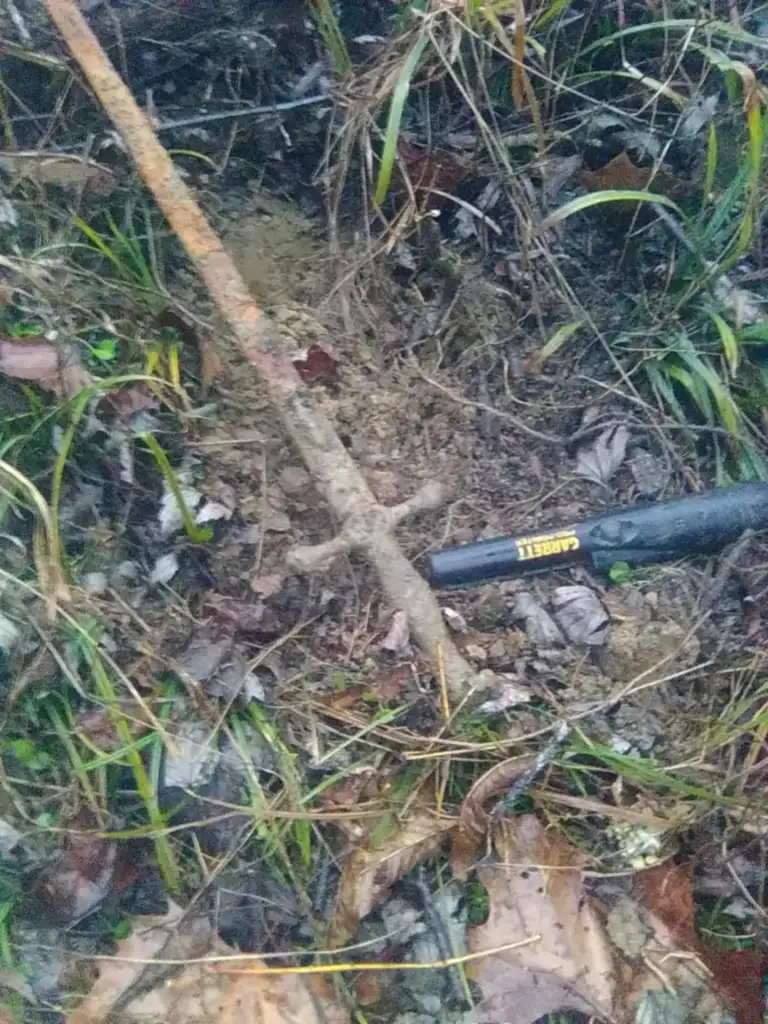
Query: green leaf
[(620, 572), (105, 351), (558, 339), (730, 343), (396, 106)]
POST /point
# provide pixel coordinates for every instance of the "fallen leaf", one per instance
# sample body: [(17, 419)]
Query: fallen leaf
[(388, 683), (317, 365), (580, 615), (368, 873), (78, 882), (97, 724), (621, 173), (509, 694), (556, 172), (432, 169), (164, 569), (199, 993), (473, 820), (347, 792), (667, 891), (9, 837), (212, 512), (605, 456), (204, 654), (455, 620), (194, 757), (539, 626), (68, 172), (536, 893), (169, 515), (277, 521), (267, 585), (234, 679), (55, 367), (243, 616), (9, 218), (128, 401), (399, 634), (701, 110), (651, 476)]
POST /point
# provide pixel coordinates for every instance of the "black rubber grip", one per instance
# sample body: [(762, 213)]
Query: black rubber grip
[(698, 524)]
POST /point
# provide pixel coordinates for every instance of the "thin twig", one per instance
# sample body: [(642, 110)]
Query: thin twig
[(227, 115)]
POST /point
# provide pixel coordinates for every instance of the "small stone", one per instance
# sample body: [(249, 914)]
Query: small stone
[(294, 480), (277, 522)]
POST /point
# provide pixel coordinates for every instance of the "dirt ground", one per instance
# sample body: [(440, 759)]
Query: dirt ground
[(210, 754)]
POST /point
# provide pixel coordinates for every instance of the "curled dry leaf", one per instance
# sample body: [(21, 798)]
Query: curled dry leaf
[(606, 455), (199, 993), (580, 615), (398, 635), (536, 893), (539, 626), (78, 882), (127, 401), (368, 873), (473, 819), (55, 367)]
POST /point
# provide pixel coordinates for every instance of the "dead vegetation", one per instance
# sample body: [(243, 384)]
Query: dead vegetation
[(503, 269)]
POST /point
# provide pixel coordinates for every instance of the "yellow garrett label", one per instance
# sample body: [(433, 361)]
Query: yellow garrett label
[(545, 544)]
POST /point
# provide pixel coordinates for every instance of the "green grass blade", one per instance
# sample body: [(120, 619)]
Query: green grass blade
[(709, 179), (609, 195), (556, 8), (730, 343), (558, 339), (197, 534), (396, 106)]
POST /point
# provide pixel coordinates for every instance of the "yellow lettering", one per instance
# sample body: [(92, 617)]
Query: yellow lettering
[(545, 545)]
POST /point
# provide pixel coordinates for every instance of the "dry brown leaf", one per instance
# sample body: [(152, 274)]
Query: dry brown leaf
[(473, 820), (601, 460), (571, 964), (69, 172), (367, 874), (89, 869), (55, 367), (621, 173), (315, 364), (580, 615), (202, 993), (667, 891), (127, 401)]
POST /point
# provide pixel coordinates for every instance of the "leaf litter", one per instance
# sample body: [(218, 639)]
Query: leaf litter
[(222, 671), (202, 992), (600, 462)]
